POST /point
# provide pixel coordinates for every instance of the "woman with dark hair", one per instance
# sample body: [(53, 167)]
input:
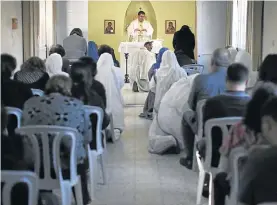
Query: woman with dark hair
[(33, 73), (184, 41), (58, 107), (75, 45), (268, 68), (13, 93), (96, 85), (244, 135), (82, 82), (60, 50)]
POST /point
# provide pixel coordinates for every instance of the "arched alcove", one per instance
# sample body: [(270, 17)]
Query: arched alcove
[(132, 11)]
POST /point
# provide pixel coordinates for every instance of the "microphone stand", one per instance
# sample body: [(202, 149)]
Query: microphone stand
[(126, 75)]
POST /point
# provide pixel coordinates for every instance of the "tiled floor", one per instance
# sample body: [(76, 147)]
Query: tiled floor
[(136, 177)]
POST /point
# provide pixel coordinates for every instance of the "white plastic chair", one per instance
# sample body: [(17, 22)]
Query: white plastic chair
[(199, 134), (235, 156), (193, 68), (37, 92), (202, 173), (98, 153), (16, 112), (223, 124), (11, 178), (47, 182)]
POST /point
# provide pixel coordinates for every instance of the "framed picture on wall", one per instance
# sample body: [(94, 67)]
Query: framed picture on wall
[(170, 26), (109, 26)]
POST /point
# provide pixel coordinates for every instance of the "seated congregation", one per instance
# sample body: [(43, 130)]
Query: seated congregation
[(185, 110), (67, 91)]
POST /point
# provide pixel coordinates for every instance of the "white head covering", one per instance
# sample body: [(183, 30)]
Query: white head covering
[(169, 73), (233, 53), (245, 59), (107, 76), (54, 64)]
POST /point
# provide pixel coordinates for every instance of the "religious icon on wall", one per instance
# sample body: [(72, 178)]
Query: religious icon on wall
[(109, 26), (170, 26)]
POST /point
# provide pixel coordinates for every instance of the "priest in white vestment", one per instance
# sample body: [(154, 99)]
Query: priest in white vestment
[(140, 29), (140, 63)]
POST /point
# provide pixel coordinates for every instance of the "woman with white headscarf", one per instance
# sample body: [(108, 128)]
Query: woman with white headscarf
[(54, 64), (164, 133), (109, 76), (245, 59), (233, 53)]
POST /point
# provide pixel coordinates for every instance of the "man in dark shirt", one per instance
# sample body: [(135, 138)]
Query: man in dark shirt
[(232, 102)]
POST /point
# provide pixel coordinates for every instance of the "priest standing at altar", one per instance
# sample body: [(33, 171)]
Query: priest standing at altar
[(140, 27)]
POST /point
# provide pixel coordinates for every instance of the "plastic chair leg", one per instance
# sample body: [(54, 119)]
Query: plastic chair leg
[(78, 192), (194, 161), (92, 163), (200, 187), (101, 161), (66, 192), (211, 190)]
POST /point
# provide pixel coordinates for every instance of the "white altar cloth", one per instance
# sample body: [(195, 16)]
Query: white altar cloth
[(130, 47)]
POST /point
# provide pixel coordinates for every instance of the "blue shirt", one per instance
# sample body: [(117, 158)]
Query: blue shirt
[(207, 85)]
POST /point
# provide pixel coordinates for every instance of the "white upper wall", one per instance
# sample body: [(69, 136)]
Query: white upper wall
[(71, 14), (270, 28), (11, 40)]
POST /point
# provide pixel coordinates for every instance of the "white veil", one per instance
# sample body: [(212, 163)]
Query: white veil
[(245, 59), (107, 76), (54, 64), (168, 73)]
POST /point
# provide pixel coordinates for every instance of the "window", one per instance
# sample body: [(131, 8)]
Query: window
[(239, 24)]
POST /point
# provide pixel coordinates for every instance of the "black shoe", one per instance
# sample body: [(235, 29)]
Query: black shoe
[(184, 161), (205, 192)]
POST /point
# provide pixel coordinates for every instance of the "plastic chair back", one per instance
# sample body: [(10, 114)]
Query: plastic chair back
[(193, 68), (16, 112), (223, 124), (42, 133), (37, 92), (100, 116), (11, 178)]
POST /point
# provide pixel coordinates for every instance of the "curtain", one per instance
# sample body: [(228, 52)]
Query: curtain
[(229, 18), (239, 23), (30, 25), (254, 31)]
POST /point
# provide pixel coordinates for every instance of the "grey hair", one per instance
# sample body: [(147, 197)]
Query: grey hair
[(59, 84), (221, 57)]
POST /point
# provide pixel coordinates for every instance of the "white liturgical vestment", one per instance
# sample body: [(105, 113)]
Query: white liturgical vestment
[(140, 25)]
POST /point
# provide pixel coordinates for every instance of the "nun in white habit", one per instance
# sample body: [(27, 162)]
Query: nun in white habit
[(111, 78), (161, 139), (54, 64)]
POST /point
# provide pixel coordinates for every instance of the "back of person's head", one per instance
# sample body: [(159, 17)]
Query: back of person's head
[(82, 80), (237, 74), (269, 120), (59, 84), (57, 49), (221, 57), (33, 64), (91, 63), (261, 94), (104, 49), (76, 31), (8, 65), (268, 69)]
